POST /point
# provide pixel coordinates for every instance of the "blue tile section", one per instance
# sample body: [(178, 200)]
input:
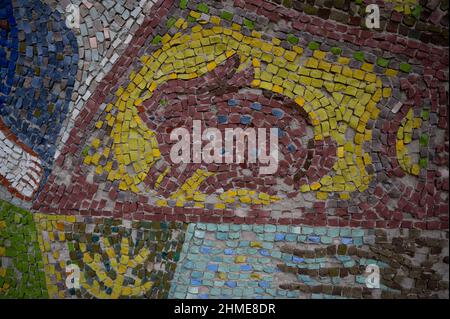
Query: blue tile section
[(235, 261), (37, 73)]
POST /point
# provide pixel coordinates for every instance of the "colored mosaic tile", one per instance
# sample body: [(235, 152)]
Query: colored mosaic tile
[(38, 75), (87, 114), (21, 266), (424, 20), (143, 164), (404, 5), (116, 259), (48, 68), (404, 138), (339, 99), (248, 262)]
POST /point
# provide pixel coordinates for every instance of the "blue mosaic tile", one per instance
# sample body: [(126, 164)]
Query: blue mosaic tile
[(347, 240), (222, 119), (248, 266), (245, 119), (256, 106), (35, 113)]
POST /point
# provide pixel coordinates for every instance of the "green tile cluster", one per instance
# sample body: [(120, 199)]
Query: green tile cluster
[(336, 50), (405, 67), (226, 15), (359, 56), (382, 62), (183, 4), (203, 8), (22, 270), (313, 45), (292, 39)]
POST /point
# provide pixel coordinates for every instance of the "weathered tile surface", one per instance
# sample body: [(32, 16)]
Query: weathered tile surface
[(269, 261), (21, 265), (87, 107), (117, 259)]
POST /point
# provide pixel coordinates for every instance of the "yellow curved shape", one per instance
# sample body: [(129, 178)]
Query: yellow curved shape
[(404, 137), (120, 266), (336, 97)]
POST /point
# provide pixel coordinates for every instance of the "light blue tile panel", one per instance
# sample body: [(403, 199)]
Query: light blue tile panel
[(241, 261)]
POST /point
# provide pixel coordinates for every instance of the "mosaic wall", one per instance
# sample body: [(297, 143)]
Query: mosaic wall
[(88, 103)]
